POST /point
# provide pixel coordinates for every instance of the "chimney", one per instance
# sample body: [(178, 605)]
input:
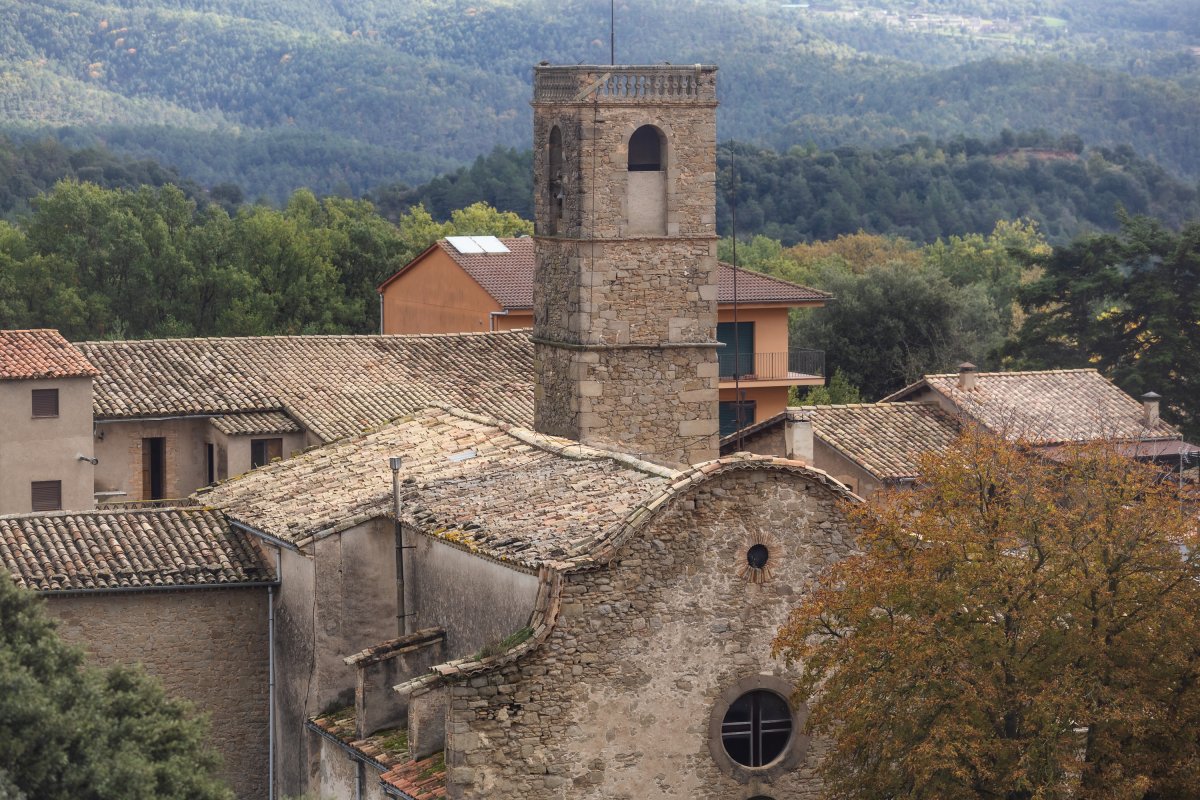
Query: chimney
[(798, 436), (966, 376), (1150, 409)]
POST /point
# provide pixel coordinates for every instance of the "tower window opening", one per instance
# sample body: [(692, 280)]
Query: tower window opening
[(646, 150), (556, 185)]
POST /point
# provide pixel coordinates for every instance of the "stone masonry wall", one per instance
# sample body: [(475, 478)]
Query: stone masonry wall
[(617, 702), (636, 291), (599, 286), (595, 142), (208, 646), (656, 403)]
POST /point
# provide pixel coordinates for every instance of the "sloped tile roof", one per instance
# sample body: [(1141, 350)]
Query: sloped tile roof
[(388, 750), (419, 780), (127, 549), (885, 439), (43, 353), (494, 489), (508, 277), (1046, 407), (255, 423), (756, 287), (334, 386)]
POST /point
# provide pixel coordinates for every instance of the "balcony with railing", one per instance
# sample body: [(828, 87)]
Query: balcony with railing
[(793, 368)]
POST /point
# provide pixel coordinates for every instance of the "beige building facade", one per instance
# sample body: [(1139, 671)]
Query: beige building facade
[(46, 455)]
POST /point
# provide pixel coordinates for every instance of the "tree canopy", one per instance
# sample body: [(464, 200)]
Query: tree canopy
[(1127, 304), (119, 263), (72, 732), (1013, 628)]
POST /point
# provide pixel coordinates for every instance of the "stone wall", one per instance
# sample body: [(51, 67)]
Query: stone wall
[(625, 291), (595, 145), (657, 403), (617, 703), (477, 602), (208, 646)]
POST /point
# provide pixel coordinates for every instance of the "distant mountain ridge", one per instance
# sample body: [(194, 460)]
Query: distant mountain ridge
[(346, 96)]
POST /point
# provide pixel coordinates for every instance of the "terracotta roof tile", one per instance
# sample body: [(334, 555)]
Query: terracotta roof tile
[(1047, 407), (885, 439), (508, 277), (255, 423), (494, 489), (127, 549), (44, 353), (334, 386), (419, 780), (388, 750)]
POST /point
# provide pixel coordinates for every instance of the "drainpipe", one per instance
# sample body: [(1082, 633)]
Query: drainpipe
[(381, 331), (402, 623), (492, 318), (271, 677)]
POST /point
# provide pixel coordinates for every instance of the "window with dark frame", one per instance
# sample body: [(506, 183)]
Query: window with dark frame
[(46, 495), (757, 728), (264, 451), (45, 403)]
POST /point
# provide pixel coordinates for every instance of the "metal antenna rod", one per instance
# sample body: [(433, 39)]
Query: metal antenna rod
[(612, 32)]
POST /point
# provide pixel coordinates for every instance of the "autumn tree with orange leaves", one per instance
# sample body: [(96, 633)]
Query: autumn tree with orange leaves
[(1014, 629)]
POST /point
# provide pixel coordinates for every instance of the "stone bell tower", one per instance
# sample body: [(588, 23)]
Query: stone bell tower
[(625, 289)]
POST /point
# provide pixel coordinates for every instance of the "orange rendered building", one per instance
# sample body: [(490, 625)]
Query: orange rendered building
[(481, 283)]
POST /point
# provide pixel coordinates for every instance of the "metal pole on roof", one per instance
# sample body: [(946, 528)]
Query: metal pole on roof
[(402, 623), (612, 32)]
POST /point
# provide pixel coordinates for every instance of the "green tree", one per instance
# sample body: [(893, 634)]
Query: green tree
[(892, 323), (70, 732), (1011, 629), (839, 391), (1128, 304)]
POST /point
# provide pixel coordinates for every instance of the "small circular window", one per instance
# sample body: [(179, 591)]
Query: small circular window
[(756, 728), (757, 556)]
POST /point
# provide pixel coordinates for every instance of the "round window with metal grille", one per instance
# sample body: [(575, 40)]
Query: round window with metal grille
[(756, 728)]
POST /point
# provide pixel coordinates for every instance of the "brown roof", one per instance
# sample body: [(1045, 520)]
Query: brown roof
[(492, 488), (127, 549), (418, 780), (334, 386), (255, 423), (388, 750), (29, 355), (508, 278), (885, 439), (756, 287), (1063, 405)]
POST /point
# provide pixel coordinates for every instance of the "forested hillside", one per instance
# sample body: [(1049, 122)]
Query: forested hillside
[(922, 191), (342, 97)]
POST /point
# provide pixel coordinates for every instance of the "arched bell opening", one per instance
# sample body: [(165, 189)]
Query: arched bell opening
[(646, 199), (555, 184)]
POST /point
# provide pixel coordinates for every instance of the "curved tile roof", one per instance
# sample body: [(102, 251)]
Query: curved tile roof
[(1046, 407), (886, 439), (334, 386), (255, 423), (128, 549), (41, 353), (498, 490)]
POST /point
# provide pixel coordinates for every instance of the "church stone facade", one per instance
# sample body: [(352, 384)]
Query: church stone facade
[(625, 291)]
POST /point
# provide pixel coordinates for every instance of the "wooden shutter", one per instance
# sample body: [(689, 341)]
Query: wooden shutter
[(45, 402), (46, 495)]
